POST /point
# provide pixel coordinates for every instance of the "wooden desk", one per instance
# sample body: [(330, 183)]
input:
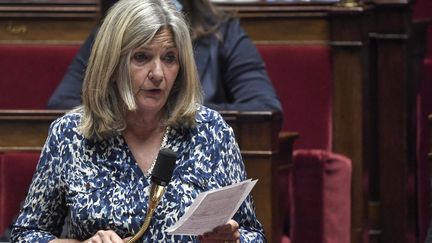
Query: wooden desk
[(257, 134)]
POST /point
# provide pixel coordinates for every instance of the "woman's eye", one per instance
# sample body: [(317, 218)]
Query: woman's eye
[(140, 57), (170, 59)]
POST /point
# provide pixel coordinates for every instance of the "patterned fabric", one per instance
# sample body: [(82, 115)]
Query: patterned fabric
[(100, 186)]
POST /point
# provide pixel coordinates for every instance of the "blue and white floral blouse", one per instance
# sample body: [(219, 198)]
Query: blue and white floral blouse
[(100, 186)]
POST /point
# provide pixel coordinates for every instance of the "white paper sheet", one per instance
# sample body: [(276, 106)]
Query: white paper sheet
[(212, 208)]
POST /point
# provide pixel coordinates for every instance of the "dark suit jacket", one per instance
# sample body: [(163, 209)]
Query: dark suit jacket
[(232, 73)]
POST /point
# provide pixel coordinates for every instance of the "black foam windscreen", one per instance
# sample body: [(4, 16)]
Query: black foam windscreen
[(164, 167)]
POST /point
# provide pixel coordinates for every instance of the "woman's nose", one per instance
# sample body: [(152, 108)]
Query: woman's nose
[(156, 72)]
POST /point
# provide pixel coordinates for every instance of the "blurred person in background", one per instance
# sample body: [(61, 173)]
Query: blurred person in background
[(231, 71)]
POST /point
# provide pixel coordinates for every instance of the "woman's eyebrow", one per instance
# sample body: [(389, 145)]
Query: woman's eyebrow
[(149, 48)]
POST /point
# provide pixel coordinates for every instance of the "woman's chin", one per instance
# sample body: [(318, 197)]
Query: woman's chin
[(150, 106)]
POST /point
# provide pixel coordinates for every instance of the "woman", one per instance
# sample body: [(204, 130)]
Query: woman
[(231, 71), (140, 96)]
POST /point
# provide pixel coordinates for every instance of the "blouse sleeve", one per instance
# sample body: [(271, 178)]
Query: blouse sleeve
[(231, 169), (42, 215)]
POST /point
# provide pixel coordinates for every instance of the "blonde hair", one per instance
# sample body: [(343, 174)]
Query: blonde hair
[(107, 88)]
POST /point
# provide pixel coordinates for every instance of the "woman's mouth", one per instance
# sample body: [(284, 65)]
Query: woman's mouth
[(153, 91)]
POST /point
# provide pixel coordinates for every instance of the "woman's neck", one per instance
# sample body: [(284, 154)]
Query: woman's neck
[(139, 125), (144, 137)]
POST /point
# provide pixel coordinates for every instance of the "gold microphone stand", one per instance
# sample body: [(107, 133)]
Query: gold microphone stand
[(156, 193)]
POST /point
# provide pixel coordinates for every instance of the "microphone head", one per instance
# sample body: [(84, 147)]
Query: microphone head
[(164, 167)]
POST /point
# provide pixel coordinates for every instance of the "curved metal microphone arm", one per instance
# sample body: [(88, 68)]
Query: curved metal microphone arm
[(156, 193)]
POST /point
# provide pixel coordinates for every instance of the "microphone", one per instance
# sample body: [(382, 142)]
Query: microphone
[(164, 167), (160, 177)]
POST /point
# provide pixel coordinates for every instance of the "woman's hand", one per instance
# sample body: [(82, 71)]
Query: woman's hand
[(106, 236), (228, 232), (102, 236)]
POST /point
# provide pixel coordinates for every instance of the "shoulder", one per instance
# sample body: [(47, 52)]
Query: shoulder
[(232, 31), (67, 125), (62, 133), (231, 25), (68, 120), (235, 41), (208, 117), (211, 126)]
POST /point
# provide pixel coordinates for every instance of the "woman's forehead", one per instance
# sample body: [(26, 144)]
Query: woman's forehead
[(164, 38)]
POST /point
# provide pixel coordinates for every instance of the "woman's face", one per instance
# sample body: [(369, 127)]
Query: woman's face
[(153, 70)]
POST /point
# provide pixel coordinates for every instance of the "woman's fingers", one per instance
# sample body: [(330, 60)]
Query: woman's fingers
[(228, 232), (105, 236), (126, 239), (229, 227)]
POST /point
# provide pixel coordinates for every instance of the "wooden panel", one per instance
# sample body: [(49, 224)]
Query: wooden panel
[(51, 21), (27, 130), (314, 30), (397, 122), (45, 30), (396, 134), (266, 194), (351, 109), (281, 22), (348, 131), (373, 119), (49, 8)]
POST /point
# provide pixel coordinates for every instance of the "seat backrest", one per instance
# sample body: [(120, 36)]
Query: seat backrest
[(301, 75), (16, 171), (29, 73), (321, 194)]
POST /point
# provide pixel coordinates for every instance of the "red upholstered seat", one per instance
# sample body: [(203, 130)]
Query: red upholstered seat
[(317, 188), (30, 73), (301, 75), (321, 197), (16, 171), (285, 239)]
